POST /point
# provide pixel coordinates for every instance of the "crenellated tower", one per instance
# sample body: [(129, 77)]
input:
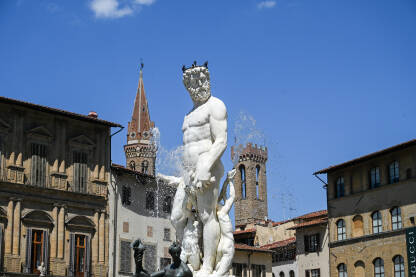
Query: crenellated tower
[(140, 149), (250, 183)]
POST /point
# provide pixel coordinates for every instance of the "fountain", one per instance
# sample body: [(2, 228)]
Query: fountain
[(204, 231)]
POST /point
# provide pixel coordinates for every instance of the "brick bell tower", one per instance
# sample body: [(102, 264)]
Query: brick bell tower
[(250, 183), (140, 149)]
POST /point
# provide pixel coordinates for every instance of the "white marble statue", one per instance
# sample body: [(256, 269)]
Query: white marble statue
[(191, 250), (204, 141), (42, 269)]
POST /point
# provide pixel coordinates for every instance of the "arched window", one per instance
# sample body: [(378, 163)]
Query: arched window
[(243, 181), (377, 222), (339, 187), (398, 266), (357, 226), (394, 172), (257, 181), (396, 218), (378, 267), (281, 274), (291, 273), (132, 165), (342, 270), (145, 166), (341, 233)]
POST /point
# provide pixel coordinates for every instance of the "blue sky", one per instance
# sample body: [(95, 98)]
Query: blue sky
[(325, 80)]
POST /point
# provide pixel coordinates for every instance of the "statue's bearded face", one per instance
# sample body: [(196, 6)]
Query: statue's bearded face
[(196, 81)]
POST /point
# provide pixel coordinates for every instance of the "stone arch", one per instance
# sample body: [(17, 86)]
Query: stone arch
[(81, 223), (357, 226), (38, 218), (359, 269)]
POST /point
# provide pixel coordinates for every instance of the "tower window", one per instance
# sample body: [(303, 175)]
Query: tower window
[(243, 182), (145, 167), (257, 181), (132, 165), (150, 200)]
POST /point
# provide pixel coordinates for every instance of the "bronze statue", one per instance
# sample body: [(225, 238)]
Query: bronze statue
[(138, 249), (177, 268)]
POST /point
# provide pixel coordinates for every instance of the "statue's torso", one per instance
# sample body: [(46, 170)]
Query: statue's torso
[(196, 133)]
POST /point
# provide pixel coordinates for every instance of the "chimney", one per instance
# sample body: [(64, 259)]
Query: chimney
[(93, 114)]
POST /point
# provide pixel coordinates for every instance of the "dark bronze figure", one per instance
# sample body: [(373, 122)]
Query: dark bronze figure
[(177, 268), (138, 249)]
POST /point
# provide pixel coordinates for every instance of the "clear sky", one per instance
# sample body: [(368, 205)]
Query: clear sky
[(325, 80)]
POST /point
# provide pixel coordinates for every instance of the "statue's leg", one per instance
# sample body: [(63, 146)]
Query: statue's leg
[(211, 235)]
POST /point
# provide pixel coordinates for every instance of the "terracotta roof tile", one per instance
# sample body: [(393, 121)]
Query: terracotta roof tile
[(312, 214), (251, 230), (281, 243), (240, 246), (310, 223), (57, 111), (368, 156)]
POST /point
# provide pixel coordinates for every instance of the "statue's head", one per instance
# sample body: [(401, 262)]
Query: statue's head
[(197, 82), (175, 250)]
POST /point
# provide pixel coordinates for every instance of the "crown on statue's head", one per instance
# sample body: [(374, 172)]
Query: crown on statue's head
[(184, 68)]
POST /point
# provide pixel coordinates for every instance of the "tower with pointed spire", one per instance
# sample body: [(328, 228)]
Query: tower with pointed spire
[(140, 150)]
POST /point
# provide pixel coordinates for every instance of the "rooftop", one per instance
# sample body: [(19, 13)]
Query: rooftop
[(57, 111), (251, 230), (368, 156), (281, 243), (312, 215), (314, 222), (129, 171), (240, 246)]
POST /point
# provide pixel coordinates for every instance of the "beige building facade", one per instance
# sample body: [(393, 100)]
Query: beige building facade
[(54, 173), (371, 203)]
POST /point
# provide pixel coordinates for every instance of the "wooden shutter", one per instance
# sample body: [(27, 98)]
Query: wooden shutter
[(45, 253), (306, 243), (318, 242), (87, 256), (1, 244), (28, 261), (76, 173), (71, 268)]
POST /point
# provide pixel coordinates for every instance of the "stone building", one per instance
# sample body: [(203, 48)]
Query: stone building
[(140, 208), (312, 252), (140, 204), (250, 184), (371, 203), (54, 172), (140, 150)]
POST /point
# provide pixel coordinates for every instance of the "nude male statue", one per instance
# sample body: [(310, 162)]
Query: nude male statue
[(205, 140)]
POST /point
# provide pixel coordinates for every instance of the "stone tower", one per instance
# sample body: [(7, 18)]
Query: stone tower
[(140, 149), (250, 184)]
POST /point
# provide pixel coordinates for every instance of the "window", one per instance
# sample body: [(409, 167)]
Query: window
[(342, 270), (150, 200), (312, 243), (341, 230), (166, 234), (396, 218), (398, 266), (291, 273), (257, 182), (79, 258), (377, 222), (149, 231), (281, 274), (243, 181), (37, 249), (394, 172), (125, 196), (378, 268), (339, 187), (167, 203), (125, 257), (258, 270), (286, 253), (132, 165), (80, 171), (313, 273), (375, 177), (164, 262), (38, 167), (145, 167), (240, 270)]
